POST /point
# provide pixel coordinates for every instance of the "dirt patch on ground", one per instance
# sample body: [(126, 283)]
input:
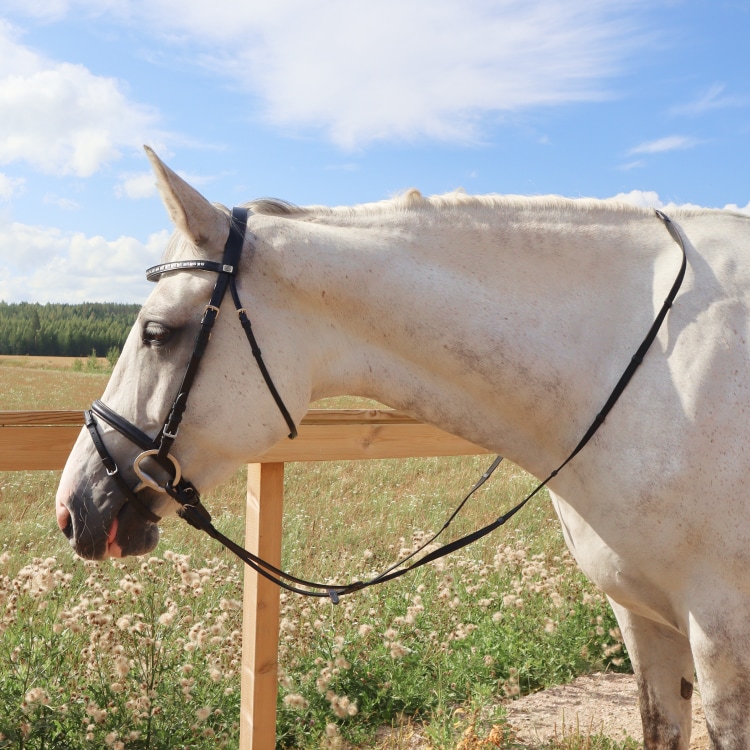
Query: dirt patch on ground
[(598, 704), (605, 704)]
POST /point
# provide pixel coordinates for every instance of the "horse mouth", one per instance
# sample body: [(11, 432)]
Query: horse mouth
[(97, 535)]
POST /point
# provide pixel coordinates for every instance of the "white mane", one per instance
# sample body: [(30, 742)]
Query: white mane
[(412, 200)]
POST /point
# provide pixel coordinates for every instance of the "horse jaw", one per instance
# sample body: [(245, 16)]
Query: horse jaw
[(202, 222)]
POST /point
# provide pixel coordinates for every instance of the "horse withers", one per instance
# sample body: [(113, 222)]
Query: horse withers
[(506, 321)]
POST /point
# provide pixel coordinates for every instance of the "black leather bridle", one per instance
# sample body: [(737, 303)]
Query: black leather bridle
[(185, 493)]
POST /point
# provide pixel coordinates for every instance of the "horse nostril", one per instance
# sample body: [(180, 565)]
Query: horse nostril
[(68, 529), (65, 521)]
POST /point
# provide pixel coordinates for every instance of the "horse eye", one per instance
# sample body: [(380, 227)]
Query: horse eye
[(155, 334)]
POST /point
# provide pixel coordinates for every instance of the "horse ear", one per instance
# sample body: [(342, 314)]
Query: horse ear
[(190, 212)]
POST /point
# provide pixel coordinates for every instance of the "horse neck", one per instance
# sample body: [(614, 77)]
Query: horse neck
[(506, 328)]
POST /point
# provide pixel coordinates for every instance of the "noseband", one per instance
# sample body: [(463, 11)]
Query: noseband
[(180, 489)]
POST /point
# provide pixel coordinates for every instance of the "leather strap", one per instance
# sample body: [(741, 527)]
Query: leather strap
[(153, 273)]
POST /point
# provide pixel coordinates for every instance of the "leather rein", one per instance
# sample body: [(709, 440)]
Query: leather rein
[(184, 492)]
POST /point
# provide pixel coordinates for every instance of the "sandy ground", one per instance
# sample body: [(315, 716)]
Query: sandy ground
[(598, 704), (593, 704)]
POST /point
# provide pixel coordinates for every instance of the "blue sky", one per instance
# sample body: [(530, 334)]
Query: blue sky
[(341, 102)]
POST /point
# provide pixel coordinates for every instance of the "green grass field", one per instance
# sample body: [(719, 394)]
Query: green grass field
[(145, 653)]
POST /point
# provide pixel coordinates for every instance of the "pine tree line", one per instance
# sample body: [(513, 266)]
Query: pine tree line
[(62, 330)]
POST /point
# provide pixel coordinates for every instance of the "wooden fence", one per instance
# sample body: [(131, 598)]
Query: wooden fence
[(42, 440)]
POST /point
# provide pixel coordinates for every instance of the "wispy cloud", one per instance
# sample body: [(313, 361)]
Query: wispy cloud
[(428, 68), (669, 143), (394, 70), (713, 99)]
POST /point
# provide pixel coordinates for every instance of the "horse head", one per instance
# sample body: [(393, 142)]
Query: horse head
[(110, 508)]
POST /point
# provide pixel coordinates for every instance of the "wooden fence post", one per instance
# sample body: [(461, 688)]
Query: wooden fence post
[(260, 620)]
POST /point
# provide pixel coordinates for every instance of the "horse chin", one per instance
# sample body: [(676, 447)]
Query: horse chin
[(130, 534), (97, 532)]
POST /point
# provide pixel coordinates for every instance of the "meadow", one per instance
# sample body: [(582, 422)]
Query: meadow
[(145, 653)]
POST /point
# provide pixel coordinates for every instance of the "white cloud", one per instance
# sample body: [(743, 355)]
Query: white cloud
[(741, 209), (43, 264), (10, 186), (61, 118), (651, 199), (642, 198), (395, 69), (669, 143), (136, 186), (426, 68)]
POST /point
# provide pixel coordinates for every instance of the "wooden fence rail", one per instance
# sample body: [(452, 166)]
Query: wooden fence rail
[(38, 440)]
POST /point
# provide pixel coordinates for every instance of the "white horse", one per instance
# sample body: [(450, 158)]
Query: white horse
[(507, 321)]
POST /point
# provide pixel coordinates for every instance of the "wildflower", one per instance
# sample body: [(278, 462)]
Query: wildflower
[(96, 713), (36, 695), (167, 618), (121, 667), (365, 630), (398, 651), (342, 706), (294, 700), (202, 714)]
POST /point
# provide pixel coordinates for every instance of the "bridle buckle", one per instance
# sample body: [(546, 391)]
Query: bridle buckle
[(146, 479)]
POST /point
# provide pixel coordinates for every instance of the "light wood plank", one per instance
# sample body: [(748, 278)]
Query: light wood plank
[(349, 441), (260, 620), (40, 418), (323, 436), (35, 448)]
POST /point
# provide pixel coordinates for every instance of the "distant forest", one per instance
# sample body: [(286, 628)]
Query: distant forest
[(60, 330)]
